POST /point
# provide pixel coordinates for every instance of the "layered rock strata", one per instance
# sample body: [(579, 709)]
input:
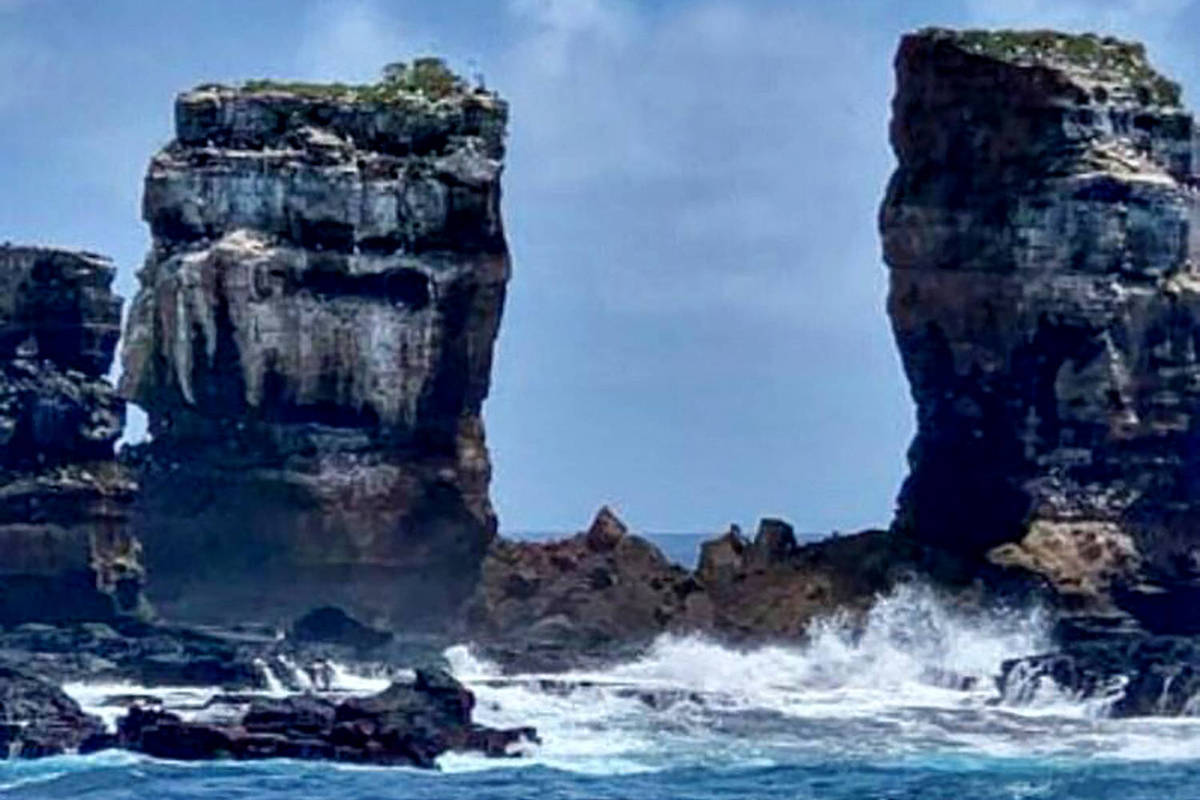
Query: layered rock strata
[(1041, 233), (312, 342), (65, 548)]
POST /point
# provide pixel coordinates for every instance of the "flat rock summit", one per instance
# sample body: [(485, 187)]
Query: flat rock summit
[(312, 342)]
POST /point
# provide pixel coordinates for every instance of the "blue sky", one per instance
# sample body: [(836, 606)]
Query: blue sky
[(695, 330)]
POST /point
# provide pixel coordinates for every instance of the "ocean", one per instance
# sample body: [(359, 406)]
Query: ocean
[(904, 707)]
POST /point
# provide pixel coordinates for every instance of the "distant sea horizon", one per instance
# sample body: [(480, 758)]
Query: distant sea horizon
[(681, 547)]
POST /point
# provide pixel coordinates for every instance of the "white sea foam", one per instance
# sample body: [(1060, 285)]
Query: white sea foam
[(915, 678)]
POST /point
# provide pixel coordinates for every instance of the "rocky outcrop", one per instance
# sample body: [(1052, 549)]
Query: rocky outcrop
[(64, 536), (605, 593), (37, 719), (312, 342), (546, 604), (408, 724), (1041, 234)]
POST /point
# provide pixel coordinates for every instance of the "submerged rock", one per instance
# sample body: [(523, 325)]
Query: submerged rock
[(66, 552), (312, 342), (1040, 230)]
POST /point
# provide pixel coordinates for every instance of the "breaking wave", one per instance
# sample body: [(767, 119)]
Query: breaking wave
[(916, 677), (905, 693)]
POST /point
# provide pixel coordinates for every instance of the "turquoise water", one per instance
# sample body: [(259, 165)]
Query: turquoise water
[(110, 778), (874, 713)]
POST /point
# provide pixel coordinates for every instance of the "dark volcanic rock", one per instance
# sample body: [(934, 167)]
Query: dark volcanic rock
[(312, 342), (1040, 230), (38, 719), (407, 724), (64, 533), (1135, 677), (137, 652), (329, 625)]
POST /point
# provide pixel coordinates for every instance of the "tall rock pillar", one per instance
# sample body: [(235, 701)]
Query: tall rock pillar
[(312, 342), (65, 549), (1041, 232)]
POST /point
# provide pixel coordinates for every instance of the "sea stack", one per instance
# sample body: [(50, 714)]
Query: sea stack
[(65, 549), (1041, 232), (312, 342)]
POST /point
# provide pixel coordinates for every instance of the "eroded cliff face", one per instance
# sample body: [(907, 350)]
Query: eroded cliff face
[(1041, 230), (312, 342), (65, 548)]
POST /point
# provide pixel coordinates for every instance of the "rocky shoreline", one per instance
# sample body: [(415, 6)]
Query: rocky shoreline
[(312, 341)]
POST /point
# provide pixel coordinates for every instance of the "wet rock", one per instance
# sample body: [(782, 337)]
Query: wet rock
[(1040, 234), (312, 342), (39, 719), (406, 724), (193, 669), (1146, 676), (137, 652), (330, 625), (64, 502)]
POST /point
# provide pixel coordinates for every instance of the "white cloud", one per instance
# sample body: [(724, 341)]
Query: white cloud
[(1106, 16), (25, 67), (351, 41), (557, 28), (705, 148)]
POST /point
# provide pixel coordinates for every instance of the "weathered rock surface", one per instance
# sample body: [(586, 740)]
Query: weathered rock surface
[(405, 725), (312, 342), (37, 719), (1041, 230), (605, 593), (65, 548)]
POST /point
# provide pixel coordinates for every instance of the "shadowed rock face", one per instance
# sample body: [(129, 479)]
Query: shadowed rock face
[(312, 342), (65, 550), (1045, 295)]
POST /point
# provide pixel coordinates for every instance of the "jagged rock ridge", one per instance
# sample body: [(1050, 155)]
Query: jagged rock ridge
[(605, 593), (1041, 230), (312, 342), (64, 502)]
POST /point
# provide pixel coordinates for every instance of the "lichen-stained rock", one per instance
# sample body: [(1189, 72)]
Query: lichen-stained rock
[(1045, 295), (313, 341), (65, 548)]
